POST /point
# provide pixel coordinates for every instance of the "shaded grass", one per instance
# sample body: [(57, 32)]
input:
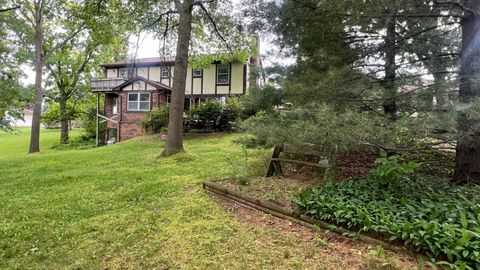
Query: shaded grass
[(125, 207)]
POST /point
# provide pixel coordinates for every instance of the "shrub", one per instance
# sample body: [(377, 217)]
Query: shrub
[(230, 114), (430, 215), (76, 143), (213, 116), (261, 99), (206, 115), (391, 169), (156, 121)]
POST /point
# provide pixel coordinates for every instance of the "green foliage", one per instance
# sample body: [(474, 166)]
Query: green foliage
[(89, 124), (13, 96), (231, 112), (206, 60), (391, 169), (79, 143), (319, 125), (213, 116), (207, 114), (51, 115), (429, 215), (261, 99), (156, 121)]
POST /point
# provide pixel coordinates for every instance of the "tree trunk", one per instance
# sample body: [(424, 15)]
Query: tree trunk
[(174, 142), (440, 83), (390, 103), (63, 121), (467, 161), (37, 107)]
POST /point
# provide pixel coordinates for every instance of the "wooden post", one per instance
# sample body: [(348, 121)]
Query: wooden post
[(274, 166), (96, 117), (120, 118)]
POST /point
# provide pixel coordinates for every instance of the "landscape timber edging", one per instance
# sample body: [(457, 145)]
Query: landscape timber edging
[(295, 216)]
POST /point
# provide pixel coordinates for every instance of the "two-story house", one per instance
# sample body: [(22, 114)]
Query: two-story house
[(132, 88)]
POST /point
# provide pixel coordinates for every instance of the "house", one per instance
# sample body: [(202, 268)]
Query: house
[(131, 89)]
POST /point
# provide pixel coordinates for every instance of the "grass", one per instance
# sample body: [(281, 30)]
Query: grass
[(124, 207)]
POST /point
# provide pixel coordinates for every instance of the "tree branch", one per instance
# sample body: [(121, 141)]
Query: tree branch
[(8, 9), (212, 21), (457, 4), (64, 42)]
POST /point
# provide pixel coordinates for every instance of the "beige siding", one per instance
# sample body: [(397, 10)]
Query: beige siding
[(143, 72), (237, 79), (128, 88), (111, 73), (155, 74), (222, 89), (188, 85), (139, 86), (209, 80), (197, 86), (150, 87)]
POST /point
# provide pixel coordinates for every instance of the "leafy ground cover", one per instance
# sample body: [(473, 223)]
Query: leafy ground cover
[(125, 207), (430, 215)]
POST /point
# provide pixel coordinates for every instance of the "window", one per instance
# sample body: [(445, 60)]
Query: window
[(165, 72), (196, 73), (223, 74), (125, 73), (139, 101), (115, 106)]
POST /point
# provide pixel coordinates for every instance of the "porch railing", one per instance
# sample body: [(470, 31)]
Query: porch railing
[(107, 84)]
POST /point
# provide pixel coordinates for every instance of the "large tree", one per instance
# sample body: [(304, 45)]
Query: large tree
[(13, 95), (44, 27), (210, 25), (174, 142), (71, 67), (467, 164)]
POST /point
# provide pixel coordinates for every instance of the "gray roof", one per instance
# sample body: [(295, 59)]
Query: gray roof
[(151, 61)]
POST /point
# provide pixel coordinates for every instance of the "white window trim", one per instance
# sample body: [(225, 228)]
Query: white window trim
[(218, 73), (161, 72), (197, 76), (138, 102)]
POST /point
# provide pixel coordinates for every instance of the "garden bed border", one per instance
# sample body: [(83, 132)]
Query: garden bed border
[(295, 216)]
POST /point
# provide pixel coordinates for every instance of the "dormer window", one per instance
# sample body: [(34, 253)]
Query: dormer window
[(125, 73), (165, 72), (223, 74)]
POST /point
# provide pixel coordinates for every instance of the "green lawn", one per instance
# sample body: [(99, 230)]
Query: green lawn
[(124, 207)]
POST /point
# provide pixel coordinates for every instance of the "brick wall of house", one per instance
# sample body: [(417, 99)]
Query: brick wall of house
[(130, 122)]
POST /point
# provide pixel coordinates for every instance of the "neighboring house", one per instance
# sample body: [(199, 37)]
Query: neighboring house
[(27, 115), (133, 88)]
